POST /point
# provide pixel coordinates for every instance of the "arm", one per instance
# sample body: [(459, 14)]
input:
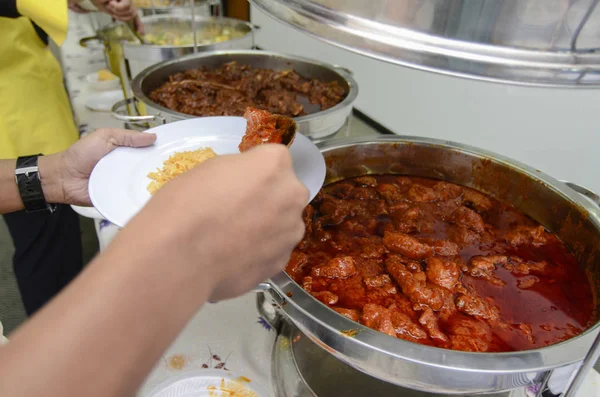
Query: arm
[(103, 334), (65, 175)]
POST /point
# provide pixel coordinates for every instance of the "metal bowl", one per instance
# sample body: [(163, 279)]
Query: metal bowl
[(316, 125), (552, 203), (204, 26)]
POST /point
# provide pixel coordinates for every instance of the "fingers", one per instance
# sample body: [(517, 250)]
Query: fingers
[(120, 137), (137, 23), (123, 10)]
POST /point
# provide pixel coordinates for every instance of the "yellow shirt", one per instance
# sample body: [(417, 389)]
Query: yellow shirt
[(35, 114)]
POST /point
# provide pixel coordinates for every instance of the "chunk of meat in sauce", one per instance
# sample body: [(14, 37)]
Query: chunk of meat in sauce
[(341, 190), (377, 281), (412, 220), (444, 273), (522, 235), (406, 328), (468, 218), (389, 192), (341, 267), (378, 318), (371, 248), (296, 264), (463, 236), (327, 297), (307, 216), (484, 267), (525, 268), (367, 181), (406, 245), (527, 282), (263, 127), (364, 193), (353, 315), (430, 323), (368, 267), (421, 194), (469, 334), (476, 200), (447, 191), (477, 307), (442, 247), (414, 285)]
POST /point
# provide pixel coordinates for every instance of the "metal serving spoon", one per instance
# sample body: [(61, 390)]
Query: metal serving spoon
[(290, 128)]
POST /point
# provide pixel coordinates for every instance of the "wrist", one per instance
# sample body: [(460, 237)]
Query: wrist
[(51, 178)]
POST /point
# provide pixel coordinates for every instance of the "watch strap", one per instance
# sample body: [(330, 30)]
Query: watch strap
[(29, 183)]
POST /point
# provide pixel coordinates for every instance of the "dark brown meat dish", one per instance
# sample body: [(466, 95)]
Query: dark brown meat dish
[(438, 264), (231, 88)]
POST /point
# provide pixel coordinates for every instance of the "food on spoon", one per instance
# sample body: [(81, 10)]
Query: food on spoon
[(440, 264), (105, 75), (177, 164), (231, 88), (264, 127)]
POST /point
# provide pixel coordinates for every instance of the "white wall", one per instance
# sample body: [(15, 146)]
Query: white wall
[(554, 130)]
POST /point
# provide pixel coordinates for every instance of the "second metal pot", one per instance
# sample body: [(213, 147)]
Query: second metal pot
[(317, 125)]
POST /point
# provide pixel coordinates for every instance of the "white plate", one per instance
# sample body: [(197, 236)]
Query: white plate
[(118, 183), (87, 212), (103, 101), (104, 85), (208, 383)]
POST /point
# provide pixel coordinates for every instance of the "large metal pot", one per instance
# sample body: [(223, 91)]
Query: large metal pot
[(316, 125), (125, 57), (139, 57), (552, 203)]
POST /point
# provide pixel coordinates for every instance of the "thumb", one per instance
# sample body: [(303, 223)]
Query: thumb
[(120, 137)]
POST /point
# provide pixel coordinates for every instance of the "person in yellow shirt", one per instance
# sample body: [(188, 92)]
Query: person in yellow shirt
[(36, 118)]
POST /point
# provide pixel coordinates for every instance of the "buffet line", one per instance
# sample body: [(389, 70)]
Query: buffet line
[(426, 264)]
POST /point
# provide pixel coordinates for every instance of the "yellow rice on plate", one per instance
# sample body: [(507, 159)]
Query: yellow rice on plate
[(177, 164)]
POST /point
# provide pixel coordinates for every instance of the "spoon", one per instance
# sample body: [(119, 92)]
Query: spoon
[(137, 34), (289, 127)]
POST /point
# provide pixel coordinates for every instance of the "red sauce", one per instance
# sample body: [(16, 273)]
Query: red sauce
[(439, 264)]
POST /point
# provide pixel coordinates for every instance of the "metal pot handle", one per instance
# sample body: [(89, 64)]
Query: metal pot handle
[(83, 42), (119, 115), (343, 69), (584, 191), (263, 287)]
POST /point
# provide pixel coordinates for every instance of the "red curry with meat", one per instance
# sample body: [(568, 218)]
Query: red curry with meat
[(439, 264)]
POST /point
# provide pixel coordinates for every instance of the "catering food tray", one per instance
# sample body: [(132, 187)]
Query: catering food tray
[(553, 204), (316, 124), (527, 42)]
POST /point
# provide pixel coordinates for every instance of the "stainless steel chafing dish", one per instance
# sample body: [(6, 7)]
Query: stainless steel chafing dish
[(575, 219), (529, 42), (315, 125)]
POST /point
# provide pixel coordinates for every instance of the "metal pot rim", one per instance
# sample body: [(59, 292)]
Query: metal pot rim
[(136, 84), (152, 18), (560, 354)]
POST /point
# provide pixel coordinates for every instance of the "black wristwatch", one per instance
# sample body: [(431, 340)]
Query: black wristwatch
[(29, 183)]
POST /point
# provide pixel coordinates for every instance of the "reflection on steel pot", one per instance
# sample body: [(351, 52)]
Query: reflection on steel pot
[(572, 217), (317, 125), (171, 37)]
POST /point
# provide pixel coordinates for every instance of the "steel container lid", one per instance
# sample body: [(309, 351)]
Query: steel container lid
[(551, 43)]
